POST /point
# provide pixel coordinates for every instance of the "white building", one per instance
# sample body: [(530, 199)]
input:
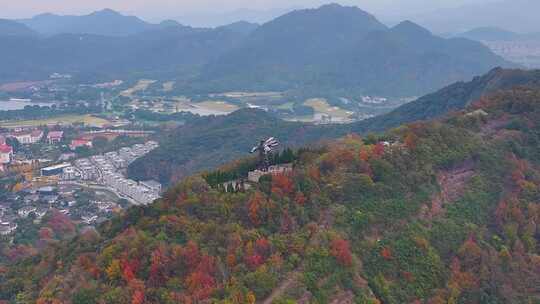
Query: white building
[(7, 228), (28, 137), (25, 211), (152, 186), (54, 137), (70, 173), (6, 154)]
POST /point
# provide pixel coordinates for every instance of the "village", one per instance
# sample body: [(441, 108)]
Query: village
[(80, 173)]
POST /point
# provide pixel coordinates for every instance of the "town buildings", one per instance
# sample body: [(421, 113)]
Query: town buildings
[(105, 170), (54, 137), (28, 137)]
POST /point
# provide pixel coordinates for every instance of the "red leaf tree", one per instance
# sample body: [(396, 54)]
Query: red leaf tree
[(340, 249), (282, 185)]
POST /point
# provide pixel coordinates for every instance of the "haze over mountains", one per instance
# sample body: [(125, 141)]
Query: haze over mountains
[(523, 49), (213, 19), (105, 22), (514, 15), (341, 50), (12, 28), (497, 34)]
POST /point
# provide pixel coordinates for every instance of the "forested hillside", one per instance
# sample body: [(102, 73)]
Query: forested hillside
[(452, 98), (165, 52), (209, 142), (433, 212)]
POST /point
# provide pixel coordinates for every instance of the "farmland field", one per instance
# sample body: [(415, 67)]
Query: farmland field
[(62, 120), (23, 85), (206, 107), (141, 85), (220, 106), (321, 106)]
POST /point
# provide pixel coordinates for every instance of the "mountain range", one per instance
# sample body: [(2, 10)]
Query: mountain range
[(213, 19), (334, 49), (168, 52), (301, 49), (13, 28), (497, 34), (105, 23), (452, 98)]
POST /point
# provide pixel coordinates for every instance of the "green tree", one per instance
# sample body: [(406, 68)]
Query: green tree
[(14, 143), (100, 143), (85, 296)]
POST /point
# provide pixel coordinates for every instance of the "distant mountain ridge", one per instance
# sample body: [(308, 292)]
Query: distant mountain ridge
[(337, 48), (514, 15), (308, 33), (452, 98), (489, 34), (169, 52), (13, 28), (106, 22), (242, 27), (497, 34)]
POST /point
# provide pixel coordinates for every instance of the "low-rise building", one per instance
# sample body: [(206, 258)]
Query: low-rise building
[(28, 137), (6, 154), (254, 176), (152, 185), (54, 137), (79, 142), (67, 156), (7, 228), (56, 170), (25, 211), (70, 173)]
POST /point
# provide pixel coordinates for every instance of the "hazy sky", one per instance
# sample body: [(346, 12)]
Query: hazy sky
[(154, 10)]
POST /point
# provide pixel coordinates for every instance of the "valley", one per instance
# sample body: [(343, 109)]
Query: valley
[(320, 157)]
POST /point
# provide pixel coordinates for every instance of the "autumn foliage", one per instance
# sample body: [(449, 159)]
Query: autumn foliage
[(346, 225), (254, 206), (282, 185), (386, 253), (340, 249)]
